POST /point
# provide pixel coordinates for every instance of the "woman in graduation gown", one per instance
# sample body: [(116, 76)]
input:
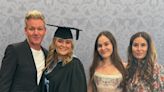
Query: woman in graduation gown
[(64, 72)]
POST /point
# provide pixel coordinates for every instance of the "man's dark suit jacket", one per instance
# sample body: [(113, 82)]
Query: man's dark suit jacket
[(18, 71)]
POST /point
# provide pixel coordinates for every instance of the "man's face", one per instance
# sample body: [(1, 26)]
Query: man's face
[(35, 31)]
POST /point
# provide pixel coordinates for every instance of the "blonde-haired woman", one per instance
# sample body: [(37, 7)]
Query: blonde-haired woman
[(64, 72)]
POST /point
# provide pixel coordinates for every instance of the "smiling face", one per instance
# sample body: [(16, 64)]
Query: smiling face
[(63, 46), (105, 47), (139, 48), (35, 31)]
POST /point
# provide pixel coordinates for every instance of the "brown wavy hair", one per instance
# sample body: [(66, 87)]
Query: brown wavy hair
[(146, 71)]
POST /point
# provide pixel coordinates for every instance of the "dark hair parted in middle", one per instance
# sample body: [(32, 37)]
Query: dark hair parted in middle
[(146, 71), (115, 58)]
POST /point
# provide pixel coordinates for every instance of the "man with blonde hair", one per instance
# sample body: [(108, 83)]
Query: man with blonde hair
[(22, 64)]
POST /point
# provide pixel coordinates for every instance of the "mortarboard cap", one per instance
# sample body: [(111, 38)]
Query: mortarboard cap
[(65, 32)]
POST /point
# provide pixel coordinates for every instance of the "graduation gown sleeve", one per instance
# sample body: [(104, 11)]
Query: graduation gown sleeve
[(78, 79)]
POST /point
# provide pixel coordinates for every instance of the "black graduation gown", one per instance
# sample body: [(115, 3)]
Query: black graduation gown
[(68, 78)]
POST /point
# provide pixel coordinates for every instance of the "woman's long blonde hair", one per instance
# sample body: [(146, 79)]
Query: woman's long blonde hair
[(53, 55)]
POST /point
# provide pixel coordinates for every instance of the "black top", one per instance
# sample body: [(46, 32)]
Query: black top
[(67, 78)]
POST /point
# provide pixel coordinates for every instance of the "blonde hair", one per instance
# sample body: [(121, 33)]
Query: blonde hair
[(53, 56), (34, 14)]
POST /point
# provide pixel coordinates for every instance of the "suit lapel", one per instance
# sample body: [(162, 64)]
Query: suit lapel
[(30, 58), (45, 53)]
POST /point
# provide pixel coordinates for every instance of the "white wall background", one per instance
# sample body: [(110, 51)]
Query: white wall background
[(122, 17)]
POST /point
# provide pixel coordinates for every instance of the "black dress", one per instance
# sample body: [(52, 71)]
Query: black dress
[(68, 78)]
